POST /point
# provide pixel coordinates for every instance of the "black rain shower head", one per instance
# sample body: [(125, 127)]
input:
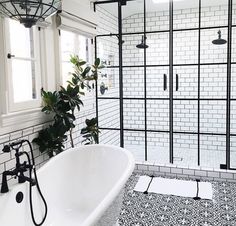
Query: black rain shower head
[(219, 41), (142, 45)]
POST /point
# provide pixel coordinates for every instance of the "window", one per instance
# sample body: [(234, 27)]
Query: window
[(73, 44), (23, 66)]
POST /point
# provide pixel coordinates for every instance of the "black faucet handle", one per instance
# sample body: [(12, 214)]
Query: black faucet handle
[(6, 149)]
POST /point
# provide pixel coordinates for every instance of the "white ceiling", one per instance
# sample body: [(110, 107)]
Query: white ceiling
[(134, 7)]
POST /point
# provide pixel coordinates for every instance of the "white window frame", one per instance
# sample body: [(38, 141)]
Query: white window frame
[(25, 114), (34, 103)]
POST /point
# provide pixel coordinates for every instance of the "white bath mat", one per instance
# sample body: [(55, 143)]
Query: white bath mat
[(174, 187), (142, 184)]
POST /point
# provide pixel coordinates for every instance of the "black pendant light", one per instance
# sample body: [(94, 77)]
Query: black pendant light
[(142, 45), (29, 12), (219, 41)]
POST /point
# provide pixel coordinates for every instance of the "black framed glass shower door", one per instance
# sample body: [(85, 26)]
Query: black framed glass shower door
[(168, 100)]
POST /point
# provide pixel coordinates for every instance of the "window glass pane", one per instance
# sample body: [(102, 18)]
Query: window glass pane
[(67, 68), (83, 48), (23, 71), (72, 44), (67, 45), (22, 35)]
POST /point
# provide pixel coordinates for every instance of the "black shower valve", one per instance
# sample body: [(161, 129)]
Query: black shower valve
[(6, 149)]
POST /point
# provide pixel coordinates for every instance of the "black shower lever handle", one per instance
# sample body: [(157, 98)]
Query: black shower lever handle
[(165, 82), (177, 82)]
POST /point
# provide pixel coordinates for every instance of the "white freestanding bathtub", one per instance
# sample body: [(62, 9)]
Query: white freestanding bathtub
[(82, 186)]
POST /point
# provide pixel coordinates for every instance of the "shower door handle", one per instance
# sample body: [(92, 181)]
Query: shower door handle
[(177, 82), (165, 82)]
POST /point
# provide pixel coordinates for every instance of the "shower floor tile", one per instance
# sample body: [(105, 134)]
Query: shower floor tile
[(165, 210)]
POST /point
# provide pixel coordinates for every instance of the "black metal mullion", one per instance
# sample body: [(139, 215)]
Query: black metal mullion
[(171, 82), (164, 98), (96, 85), (167, 131), (199, 84), (121, 74), (167, 65), (164, 31), (229, 45), (145, 81)]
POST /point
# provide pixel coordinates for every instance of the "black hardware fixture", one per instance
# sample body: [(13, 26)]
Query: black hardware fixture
[(19, 171), (219, 41), (122, 42), (9, 56), (19, 197), (177, 82), (165, 82), (29, 12), (103, 88), (171, 66), (143, 44)]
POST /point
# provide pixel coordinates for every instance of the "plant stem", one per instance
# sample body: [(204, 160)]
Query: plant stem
[(71, 138)]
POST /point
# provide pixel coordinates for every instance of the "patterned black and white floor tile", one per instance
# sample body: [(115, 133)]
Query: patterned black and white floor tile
[(164, 210)]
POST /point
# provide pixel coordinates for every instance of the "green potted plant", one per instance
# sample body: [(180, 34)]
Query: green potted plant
[(62, 104)]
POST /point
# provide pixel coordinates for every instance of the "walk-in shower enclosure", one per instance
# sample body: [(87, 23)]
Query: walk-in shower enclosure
[(175, 101)]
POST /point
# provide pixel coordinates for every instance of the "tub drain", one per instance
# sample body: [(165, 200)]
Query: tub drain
[(19, 197)]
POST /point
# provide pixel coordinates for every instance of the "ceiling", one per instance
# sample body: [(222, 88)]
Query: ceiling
[(137, 6)]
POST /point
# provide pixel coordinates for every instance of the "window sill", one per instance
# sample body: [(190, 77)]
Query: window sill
[(22, 119)]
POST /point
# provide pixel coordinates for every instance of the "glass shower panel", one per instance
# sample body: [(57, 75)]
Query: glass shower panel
[(185, 149), (158, 51), (132, 56), (133, 82), (111, 137), (133, 114), (212, 151), (233, 152), (233, 50), (234, 12), (108, 82), (135, 143), (158, 115), (157, 82), (185, 116), (213, 53), (157, 15), (133, 17), (108, 113), (108, 14), (185, 47), (213, 81), (214, 13), (185, 80), (233, 81), (213, 116), (233, 117), (158, 147), (185, 14), (108, 50)]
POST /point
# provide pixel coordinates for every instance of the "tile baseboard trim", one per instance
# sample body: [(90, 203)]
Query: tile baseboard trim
[(188, 172)]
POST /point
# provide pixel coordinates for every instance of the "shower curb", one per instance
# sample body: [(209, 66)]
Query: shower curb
[(187, 172)]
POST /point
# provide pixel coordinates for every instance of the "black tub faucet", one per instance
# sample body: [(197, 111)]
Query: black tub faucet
[(20, 168)]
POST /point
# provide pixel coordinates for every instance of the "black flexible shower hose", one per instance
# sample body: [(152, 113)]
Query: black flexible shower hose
[(38, 187)]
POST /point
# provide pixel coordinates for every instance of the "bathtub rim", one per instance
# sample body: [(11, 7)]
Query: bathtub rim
[(97, 213)]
